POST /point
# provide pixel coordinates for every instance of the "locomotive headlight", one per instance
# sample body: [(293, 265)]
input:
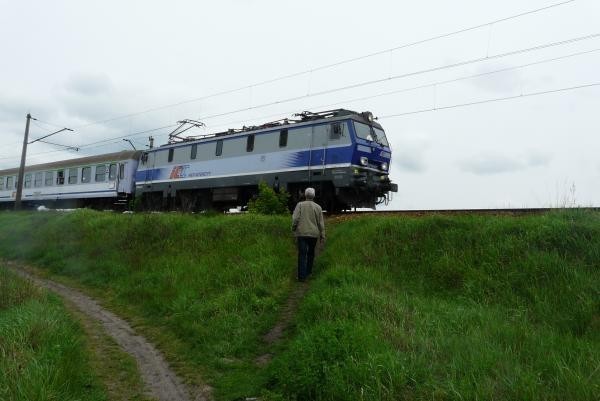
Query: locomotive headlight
[(368, 116), (364, 161), (384, 166)]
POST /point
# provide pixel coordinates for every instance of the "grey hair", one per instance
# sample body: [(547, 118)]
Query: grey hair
[(309, 193)]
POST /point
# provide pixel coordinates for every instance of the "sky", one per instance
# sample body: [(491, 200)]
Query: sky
[(118, 69)]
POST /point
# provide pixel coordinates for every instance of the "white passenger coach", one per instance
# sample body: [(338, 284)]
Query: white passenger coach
[(99, 181)]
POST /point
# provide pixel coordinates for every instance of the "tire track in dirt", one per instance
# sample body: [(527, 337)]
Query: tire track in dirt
[(160, 381)]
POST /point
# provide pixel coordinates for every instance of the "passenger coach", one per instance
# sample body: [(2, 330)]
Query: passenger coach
[(98, 181)]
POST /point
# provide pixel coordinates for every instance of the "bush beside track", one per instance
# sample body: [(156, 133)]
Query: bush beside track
[(452, 307)]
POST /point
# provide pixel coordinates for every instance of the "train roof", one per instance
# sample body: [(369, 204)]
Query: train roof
[(304, 118), (107, 157)]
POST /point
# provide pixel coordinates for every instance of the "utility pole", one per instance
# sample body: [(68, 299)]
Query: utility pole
[(22, 167), (23, 157)]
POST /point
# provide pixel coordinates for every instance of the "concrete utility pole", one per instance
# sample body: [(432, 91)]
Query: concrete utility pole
[(22, 167), (24, 155)]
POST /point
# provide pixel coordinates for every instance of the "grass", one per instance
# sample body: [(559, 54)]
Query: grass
[(450, 308), (433, 308), (42, 350), (203, 288)]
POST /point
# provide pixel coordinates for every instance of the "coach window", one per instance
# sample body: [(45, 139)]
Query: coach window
[(219, 149), (250, 143), (194, 152), (1, 183), (283, 137), (37, 179), (100, 173), (48, 178), (171, 151), (9, 183), (121, 171), (112, 172), (86, 175), (60, 177), (27, 180), (73, 176)]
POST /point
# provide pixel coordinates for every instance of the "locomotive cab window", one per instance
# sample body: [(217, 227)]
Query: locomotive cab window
[(48, 178), (60, 177), (86, 175), (72, 176), (171, 152), (37, 179), (219, 148), (283, 138), (27, 180), (194, 151), (100, 173), (112, 172), (250, 143), (121, 171), (336, 131)]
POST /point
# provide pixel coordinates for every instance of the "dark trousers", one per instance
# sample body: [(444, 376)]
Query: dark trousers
[(306, 256)]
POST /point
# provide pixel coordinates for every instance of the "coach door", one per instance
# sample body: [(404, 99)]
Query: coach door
[(122, 183)]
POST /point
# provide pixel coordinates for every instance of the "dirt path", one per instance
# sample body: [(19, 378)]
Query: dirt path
[(287, 314), (159, 380)]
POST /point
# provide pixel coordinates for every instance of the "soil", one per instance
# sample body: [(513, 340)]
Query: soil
[(160, 381), (287, 314)]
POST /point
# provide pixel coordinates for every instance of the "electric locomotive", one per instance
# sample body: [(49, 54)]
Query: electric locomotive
[(343, 154)]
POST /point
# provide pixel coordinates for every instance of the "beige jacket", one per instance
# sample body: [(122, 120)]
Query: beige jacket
[(307, 220)]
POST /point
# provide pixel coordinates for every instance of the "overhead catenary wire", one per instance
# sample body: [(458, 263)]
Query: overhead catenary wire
[(499, 99), (134, 134), (423, 86), (406, 75), (328, 66)]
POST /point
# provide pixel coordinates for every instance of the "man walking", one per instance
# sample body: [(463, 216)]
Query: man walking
[(308, 226)]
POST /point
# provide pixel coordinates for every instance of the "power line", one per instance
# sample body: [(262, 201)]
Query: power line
[(327, 66), (435, 108), (94, 144), (499, 99), (406, 75), (428, 85), (132, 135)]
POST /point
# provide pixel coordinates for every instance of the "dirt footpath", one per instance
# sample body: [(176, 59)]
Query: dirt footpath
[(160, 382)]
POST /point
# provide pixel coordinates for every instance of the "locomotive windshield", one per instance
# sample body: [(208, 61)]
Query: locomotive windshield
[(369, 133)]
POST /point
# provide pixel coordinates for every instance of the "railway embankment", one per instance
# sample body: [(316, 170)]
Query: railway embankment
[(448, 307)]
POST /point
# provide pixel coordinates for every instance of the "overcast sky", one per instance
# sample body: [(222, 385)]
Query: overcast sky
[(73, 63)]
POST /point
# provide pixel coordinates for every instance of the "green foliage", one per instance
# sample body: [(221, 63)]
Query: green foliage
[(41, 352), (206, 289), (448, 308), (268, 201)]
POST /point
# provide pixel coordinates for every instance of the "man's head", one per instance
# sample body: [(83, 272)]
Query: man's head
[(309, 193)]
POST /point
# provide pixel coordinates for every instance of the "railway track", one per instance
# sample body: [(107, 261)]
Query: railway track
[(452, 212)]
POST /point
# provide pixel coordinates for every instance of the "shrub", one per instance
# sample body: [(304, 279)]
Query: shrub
[(268, 201)]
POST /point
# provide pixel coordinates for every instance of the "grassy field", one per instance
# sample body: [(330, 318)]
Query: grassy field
[(203, 288), (444, 308), (42, 355)]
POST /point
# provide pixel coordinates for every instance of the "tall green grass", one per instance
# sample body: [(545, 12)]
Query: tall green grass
[(208, 287), (433, 308), (450, 308), (42, 356)]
